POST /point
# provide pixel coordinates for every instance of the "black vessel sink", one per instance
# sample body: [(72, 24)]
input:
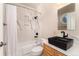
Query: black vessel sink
[(61, 42)]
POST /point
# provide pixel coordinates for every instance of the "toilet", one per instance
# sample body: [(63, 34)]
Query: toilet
[(35, 48), (37, 51)]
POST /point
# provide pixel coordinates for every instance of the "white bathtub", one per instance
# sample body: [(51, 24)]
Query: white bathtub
[(25, 48)]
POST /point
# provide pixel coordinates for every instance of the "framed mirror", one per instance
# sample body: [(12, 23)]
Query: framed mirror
[(66, 17)]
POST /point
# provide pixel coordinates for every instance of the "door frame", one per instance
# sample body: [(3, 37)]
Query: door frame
[(4, 38), (10, 48)]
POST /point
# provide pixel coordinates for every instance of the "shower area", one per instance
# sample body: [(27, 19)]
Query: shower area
[(22, 30)]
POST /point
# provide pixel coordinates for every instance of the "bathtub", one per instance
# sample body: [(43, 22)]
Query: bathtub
[(25, 48)]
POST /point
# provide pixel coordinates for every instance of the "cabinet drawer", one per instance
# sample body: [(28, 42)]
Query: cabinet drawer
[(48, 51), (51, 53), (57, 53), (48, 48), (45, 53)]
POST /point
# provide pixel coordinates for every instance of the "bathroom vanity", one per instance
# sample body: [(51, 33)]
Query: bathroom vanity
[(52, 50), (48, 51)]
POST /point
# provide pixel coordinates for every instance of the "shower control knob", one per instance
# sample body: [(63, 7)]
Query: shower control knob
[(4, 24), (2, 44)]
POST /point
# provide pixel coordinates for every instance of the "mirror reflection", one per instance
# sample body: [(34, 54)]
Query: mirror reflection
[(65, 17)]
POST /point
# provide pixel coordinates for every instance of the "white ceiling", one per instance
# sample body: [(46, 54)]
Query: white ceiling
[(33, 5), (36, 5), (59, 5)]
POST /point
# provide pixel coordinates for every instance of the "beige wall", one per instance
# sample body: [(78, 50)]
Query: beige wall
[(49, 21)]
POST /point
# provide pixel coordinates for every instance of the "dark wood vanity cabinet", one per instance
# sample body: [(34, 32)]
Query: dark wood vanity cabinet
[(48, 51)]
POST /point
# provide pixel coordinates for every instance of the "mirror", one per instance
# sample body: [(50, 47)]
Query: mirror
[(66, 17)]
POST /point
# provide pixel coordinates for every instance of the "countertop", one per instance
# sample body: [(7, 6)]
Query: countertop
[(73, 51)]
